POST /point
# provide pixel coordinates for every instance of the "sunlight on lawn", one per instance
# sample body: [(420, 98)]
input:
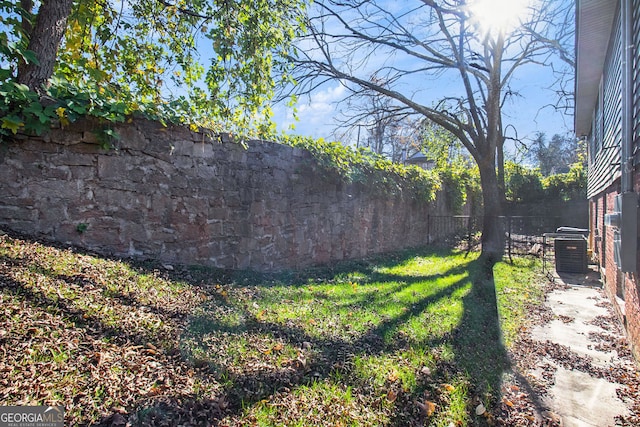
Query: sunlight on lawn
[(390, 333), (408, 339)]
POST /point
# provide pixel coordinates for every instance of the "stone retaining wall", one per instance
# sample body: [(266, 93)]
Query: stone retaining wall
[(174, 195)]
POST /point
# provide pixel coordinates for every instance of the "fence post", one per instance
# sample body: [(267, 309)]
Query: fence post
[(428, 229), (509, 236)]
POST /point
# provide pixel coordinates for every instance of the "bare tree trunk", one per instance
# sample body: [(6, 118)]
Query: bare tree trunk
[(501, 179), (44, 41), (492, 235)]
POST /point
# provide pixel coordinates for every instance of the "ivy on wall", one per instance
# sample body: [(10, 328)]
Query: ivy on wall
[(363, 166)]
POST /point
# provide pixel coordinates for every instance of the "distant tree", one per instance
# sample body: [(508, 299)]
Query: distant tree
[(441, 146), (523, 184), (555, 156), (383, 127), (362, 42), (372, 120)]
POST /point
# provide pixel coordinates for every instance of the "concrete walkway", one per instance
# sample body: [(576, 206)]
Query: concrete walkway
[(585, 347)]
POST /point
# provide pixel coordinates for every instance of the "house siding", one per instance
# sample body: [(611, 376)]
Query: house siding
[(636, 82), (604, 181), (606, 131)]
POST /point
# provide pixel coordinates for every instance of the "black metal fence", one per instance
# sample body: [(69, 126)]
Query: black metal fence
[(523, 234)]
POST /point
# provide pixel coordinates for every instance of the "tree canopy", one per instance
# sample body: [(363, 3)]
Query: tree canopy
[(204, 62), (556, 155)]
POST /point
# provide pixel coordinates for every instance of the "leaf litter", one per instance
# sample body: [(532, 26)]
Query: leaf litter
[(523, 392), (113, 342)]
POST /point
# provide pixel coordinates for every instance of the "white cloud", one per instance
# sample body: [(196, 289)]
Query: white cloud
[(316, 116)]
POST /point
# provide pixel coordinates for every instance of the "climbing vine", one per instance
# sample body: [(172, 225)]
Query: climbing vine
[(142, 57), (363, 166)]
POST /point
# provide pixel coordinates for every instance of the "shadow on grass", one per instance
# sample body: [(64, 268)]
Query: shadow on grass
[(479, 343), (476, 340)]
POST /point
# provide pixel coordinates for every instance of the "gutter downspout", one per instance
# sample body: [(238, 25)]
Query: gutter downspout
[(626, 150), (626, 246)]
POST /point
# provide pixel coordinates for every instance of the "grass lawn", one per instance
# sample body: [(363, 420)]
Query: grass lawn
[(412, 339)]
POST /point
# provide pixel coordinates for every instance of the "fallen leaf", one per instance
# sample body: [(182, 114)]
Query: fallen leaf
[(154, 391), (392, 395), (507, 402), (425, 371), (427, 408), (480, 409), (448, 387), (393, 376), (278, 347), (431, 407)]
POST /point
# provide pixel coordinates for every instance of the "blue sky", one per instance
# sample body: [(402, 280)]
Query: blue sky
[(527, 113)]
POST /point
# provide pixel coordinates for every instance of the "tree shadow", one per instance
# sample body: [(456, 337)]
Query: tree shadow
[(479, 344), (476, 340)]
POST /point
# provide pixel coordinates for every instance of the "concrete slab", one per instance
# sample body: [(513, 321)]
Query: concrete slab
[(583, 401), (576, 308), (579, 398)]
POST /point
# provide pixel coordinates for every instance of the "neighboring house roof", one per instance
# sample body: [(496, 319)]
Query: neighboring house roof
[(419, 157), (594, 19), (421, 160)]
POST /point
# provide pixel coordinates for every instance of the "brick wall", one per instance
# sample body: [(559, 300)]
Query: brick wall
[(173, 195), (632, 295), (623, 288)]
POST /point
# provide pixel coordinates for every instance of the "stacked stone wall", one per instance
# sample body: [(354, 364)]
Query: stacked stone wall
[(182, 197)]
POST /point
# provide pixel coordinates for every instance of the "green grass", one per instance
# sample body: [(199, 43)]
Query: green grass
[(373, 328), (517, 288), (362, 344)]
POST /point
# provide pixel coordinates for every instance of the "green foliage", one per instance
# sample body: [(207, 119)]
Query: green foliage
[(460, 182), (440, 146), (522, 183), (145, 60), (528, 185), (459, 175), (365, 167), (23, 111), (154, 48), (567, 186)]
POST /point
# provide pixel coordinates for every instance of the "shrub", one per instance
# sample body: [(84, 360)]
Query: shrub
[(522, 184)]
